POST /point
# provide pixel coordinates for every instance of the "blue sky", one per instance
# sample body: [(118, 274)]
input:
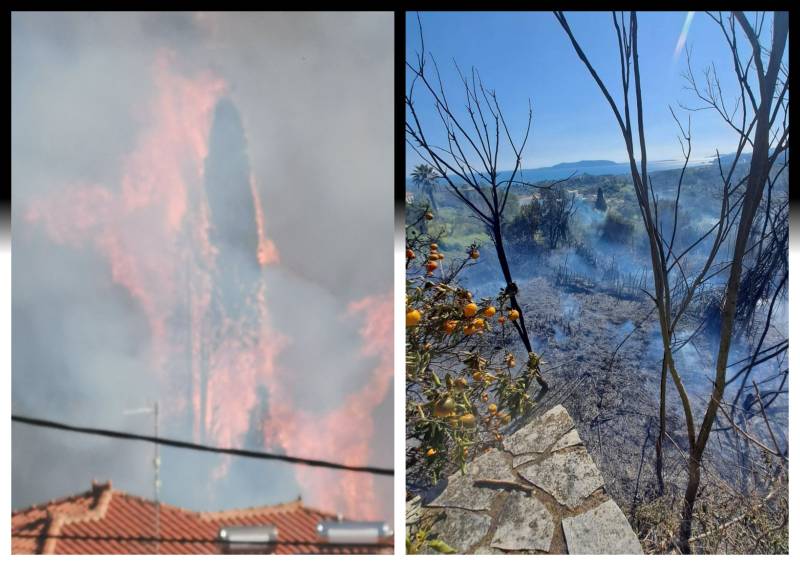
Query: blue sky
[(523, 55)]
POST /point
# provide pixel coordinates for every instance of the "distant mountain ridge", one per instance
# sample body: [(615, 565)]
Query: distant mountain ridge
[(594, 167), (606, 167), (582, 163)]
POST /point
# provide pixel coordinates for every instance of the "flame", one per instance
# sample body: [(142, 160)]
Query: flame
[(266, 253), (136, 227), (153, 230), (346, 433)]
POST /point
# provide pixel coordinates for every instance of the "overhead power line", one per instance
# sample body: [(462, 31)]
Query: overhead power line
[(200, 447)]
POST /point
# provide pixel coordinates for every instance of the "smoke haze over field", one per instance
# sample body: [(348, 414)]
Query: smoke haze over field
[(123, 279)]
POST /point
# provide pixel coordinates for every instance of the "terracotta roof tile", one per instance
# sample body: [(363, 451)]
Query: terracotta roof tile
[(107, 521)]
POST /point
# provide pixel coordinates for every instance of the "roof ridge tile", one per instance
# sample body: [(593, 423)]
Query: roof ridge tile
[(254, 510), (57, 519)]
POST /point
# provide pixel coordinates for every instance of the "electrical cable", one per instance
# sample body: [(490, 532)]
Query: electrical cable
[(200, 447)]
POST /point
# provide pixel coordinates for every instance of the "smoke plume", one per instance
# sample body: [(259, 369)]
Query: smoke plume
[(202, 216)]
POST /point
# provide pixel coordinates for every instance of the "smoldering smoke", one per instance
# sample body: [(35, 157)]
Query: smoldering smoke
[(83, 344)]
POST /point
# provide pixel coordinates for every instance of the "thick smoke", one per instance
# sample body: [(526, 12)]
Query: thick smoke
[(297, 111)]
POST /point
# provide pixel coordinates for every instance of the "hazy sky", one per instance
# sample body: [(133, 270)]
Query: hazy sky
[(110, 121), (528, 55)]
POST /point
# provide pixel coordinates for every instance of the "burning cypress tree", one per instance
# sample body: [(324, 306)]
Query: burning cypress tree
[(235, 273), (233, 230)]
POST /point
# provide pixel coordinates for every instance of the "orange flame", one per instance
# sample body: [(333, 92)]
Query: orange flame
[(137, 227), (346, 433), (267, 253), (153, 231)]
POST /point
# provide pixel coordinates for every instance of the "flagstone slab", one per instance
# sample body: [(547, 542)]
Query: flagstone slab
[(461, 491), (487, 550), (541, 433), (524, 524), (462, 529), (498, 518), (602, 530), (523, 459), (568, 440), (570, 477)]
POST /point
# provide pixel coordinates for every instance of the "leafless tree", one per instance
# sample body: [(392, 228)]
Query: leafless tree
[(760, 118), (467, 159)]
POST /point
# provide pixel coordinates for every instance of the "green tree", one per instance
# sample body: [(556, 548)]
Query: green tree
[(424, 177)]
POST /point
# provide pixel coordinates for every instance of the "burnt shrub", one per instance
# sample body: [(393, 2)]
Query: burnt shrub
[(617, 229), (522, 229)]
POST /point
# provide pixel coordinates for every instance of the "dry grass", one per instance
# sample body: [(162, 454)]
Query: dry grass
[(725, 522)]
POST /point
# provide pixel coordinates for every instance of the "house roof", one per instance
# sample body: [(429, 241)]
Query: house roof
[(104, 520)]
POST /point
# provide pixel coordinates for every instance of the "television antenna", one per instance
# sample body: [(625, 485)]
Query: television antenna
[(156, 464)]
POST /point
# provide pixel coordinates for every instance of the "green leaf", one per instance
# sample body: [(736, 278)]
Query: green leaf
[(441, 546)]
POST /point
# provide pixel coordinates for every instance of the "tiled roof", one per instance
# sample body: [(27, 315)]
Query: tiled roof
[(108, 521)]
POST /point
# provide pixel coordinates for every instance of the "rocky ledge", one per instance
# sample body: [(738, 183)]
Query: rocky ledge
[(540, 494)]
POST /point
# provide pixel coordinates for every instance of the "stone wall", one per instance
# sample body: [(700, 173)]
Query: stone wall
[(540, 493)]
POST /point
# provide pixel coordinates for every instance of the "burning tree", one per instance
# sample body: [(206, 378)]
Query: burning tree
[(760, 121)]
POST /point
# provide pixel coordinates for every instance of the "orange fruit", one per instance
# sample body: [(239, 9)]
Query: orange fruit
[(513, 314), (469, 330), (460, 383), (449, 326), (474, 254), (444, 407), (434, 246), (431, 452), (489, 311), (410, 254), (468, 421), (428, 216), (492, 408), (431, 266), (413, 317), (478, 323), (470, 310), (501, 320)]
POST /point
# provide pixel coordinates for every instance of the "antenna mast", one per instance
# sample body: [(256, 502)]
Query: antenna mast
[(156, 467), (156, 475)]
